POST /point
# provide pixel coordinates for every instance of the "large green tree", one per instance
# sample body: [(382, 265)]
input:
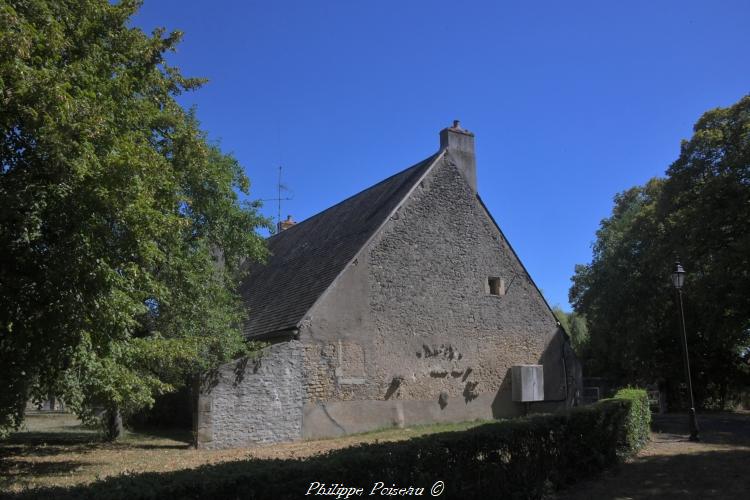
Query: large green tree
[(122, 235), (701, 213), (706, 212)]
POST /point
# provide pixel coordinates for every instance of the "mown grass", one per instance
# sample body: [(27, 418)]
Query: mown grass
[(395, 433), (57, 450)]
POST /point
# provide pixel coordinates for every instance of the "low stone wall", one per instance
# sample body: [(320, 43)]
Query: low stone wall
[(252, 401)]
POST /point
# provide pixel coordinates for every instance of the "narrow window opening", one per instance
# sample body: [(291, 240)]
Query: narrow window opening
[(496, 286)]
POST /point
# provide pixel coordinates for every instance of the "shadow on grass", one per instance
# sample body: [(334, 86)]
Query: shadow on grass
[(715, 474), (703, 474), (50, 443), (711, 474), (14, 468), (43, 444), (472, 463), (52, 438)]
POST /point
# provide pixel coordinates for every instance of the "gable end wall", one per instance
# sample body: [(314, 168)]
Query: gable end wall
[(409, 330)]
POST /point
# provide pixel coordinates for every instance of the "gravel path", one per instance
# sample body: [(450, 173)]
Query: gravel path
[(670, 466)]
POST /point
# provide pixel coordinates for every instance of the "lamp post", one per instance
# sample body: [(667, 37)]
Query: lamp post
[(678, 278)]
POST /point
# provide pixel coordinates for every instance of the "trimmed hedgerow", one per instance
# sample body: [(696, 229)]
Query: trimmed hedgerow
[(638, 422), (519, 458)]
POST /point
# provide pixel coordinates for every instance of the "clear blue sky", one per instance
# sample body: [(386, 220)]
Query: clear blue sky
[(571, 102)]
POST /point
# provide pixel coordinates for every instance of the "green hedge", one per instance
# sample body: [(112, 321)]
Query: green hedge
[(638, 421), (519, 458)]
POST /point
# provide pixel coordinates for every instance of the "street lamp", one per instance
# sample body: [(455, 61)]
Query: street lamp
[(678, 279)]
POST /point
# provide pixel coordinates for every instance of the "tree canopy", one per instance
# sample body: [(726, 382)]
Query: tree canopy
[(123, 237), (700, 213)]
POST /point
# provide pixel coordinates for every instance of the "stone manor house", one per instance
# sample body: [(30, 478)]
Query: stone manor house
[(404, 304)]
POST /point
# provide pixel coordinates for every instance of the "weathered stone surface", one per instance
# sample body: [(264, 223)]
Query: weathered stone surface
[(416, 303), (253, 401)]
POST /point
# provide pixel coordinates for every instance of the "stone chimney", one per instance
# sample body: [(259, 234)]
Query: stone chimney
[(286, 224), (459, 144)]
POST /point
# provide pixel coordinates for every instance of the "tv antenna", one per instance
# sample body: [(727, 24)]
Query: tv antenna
[(279, 198)]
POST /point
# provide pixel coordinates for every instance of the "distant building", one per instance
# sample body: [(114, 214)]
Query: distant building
[(404, 304)]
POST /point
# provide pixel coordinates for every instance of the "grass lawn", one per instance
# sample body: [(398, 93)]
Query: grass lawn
[(56, 450)]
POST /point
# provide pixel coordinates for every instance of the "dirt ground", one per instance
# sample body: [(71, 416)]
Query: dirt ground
[(670, 466), (55, 450)]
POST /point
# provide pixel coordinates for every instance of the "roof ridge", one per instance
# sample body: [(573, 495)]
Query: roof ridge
[(309, 256), (389, 178), (432, 160)]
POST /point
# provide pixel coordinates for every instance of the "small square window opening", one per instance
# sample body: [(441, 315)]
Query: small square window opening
[(496, 286)]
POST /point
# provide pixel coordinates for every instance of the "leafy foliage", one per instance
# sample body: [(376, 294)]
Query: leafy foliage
[(122, 236), (701, 212), (638, 422), (518, 458), (575, 325)]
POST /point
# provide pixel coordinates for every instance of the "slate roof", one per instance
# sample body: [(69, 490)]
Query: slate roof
[(306, 258)]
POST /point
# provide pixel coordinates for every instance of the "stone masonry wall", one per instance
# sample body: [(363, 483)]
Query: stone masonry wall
[(429, 294), (413, 319), (253, 401)]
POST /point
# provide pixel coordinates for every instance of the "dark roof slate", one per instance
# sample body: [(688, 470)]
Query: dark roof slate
[(306, 258)]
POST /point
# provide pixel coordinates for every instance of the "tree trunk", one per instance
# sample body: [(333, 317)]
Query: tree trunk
[(113, 424)]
